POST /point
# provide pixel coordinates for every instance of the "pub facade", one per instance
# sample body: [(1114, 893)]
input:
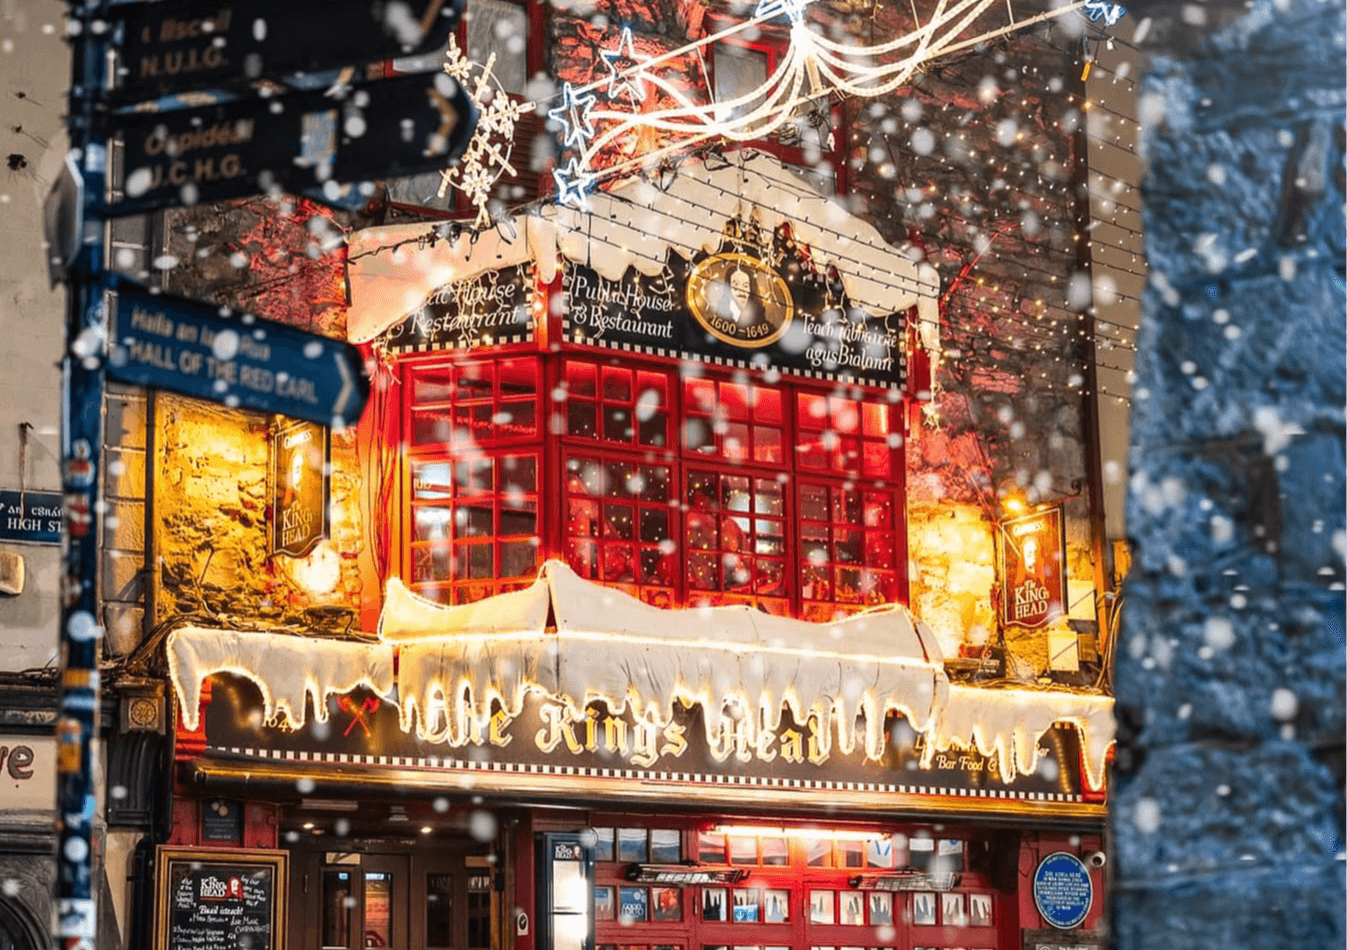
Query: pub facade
[(709, 569)]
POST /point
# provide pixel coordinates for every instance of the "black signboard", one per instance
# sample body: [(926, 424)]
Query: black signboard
[(757, 301), (377, 129), (222, 822), (220, 899), (30, 516), (300, 484), (492, 309), (547, 738), (177, 45)]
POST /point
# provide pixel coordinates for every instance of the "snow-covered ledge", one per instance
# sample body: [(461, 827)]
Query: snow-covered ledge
[(578, 642)]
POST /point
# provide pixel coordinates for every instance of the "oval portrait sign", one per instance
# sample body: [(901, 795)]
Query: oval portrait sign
[(740, 299), (1063, 890)]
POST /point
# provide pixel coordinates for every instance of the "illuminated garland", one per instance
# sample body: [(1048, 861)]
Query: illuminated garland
[(812, 68)]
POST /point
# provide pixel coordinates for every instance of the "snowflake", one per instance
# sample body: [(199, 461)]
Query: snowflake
[(487, 156)]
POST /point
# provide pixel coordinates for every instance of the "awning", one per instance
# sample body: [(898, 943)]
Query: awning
[(577, 642)]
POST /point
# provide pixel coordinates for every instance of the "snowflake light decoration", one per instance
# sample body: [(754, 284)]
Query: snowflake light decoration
[(487, 156)]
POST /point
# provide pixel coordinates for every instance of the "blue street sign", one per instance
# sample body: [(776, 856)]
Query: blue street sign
[(37, 519), (236, 359), (1063, 891)]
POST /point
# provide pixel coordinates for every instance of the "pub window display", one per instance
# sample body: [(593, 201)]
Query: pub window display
[(681, 488)]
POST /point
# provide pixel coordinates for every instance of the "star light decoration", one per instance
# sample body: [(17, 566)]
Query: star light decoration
[(812, 67), (487, 156), (619, 81), (1110, 13)]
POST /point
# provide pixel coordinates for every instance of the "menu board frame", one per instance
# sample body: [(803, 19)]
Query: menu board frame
[(169, 856)]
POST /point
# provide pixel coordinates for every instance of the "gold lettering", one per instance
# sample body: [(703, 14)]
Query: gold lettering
[(557, 728), (496, 735), (645, 750), (766, 739), (592, 730), (674, 742), (792, 747), (819, 747), (615, 735)]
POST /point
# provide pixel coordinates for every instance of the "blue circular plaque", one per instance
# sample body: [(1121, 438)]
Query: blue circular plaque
[(1063, 891)]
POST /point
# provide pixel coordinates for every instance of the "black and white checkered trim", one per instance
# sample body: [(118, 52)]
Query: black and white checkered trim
[(436, 764), (831, 377), (524, 336)]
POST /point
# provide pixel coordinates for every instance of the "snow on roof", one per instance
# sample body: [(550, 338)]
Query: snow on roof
[(393, 270), (579, 642)]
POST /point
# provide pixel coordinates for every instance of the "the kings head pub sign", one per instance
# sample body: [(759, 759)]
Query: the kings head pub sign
[(758, 301), (1032, 551)]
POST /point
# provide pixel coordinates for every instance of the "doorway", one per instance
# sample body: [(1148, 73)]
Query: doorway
[(421, 898)]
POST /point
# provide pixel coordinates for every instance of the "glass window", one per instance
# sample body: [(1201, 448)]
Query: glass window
[(465, 404), (739, 71), (848, 549), (603, 844), (617, 404), (665, 846), (479, 912), (619, 526), (500, 28), (736, 535), (439, 910), (474, 528), (737, 422), (631, 845), (711, 847)]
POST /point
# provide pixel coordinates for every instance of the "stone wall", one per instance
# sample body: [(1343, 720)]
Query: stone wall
[(1228, 812), (976, 162), (212, 522)]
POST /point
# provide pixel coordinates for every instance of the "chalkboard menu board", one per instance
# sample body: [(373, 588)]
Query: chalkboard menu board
[(217, 899)]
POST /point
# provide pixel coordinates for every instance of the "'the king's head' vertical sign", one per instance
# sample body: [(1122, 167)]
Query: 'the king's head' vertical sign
[(299, 487), (1031, 551)]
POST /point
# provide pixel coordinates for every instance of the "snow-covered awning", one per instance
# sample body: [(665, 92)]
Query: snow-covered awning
[(610, 646), (577, 642), (393, 270)]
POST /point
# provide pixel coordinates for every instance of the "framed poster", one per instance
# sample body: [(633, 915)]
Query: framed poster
[(217, 899), (299, 487), (1031, 561)]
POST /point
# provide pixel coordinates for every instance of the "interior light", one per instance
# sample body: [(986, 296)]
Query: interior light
[(308, 825), (827, 834), (425, 829)]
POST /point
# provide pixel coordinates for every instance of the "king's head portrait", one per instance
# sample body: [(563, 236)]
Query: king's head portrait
[(739, 299)]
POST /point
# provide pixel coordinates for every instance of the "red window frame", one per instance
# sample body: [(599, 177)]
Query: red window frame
[(480, 470), (626, 511), (774, 46)]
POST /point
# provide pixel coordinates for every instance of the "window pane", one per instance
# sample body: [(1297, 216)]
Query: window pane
[(499, 27), (711, 847), (665, 846), (631, 845), (439, 910), (603, 844), (743, 849), (337, 904), (739, 71), (378, 909)]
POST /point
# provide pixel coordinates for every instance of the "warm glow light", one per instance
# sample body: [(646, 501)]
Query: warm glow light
[(425, 830), (813, 67), (814, 834)]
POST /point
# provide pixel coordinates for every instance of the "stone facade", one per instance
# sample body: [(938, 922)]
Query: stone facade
[(1228, 794), (214, 517)]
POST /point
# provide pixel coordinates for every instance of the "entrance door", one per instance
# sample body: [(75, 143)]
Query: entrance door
[(407, 901)]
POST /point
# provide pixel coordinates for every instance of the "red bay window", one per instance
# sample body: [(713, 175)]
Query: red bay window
[(682, 488)]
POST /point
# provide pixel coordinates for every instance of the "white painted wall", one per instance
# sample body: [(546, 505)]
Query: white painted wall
[(34, 73)]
